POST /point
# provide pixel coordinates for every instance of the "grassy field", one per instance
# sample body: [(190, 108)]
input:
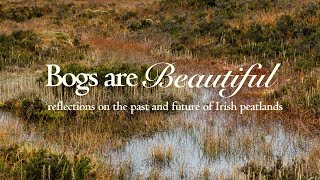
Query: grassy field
[(199, 36)]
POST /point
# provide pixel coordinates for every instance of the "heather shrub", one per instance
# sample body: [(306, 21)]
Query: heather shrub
[(39, 164)]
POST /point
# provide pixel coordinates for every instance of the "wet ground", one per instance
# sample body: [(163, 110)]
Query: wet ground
[(237, 142), (242, 142)]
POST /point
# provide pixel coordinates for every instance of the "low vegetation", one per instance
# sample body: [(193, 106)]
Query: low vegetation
[(161, 155), (298, 169), (215, 146), (17, 161), (24, 48)]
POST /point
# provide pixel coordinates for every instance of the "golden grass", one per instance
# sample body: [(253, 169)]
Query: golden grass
[(155, 175), (206, 174), (161, 155), (247, 143)]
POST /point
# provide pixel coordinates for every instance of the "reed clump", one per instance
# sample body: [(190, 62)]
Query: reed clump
[(161, 155), (215, 146), (298, 169)]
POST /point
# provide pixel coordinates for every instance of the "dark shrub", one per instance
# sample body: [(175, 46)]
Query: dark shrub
[(210, 2), (177, 47), (57, 167), (285, 24), (145, 23), (255, 33), (127, 15), (304, 65), (30, 109), (26, 39), (42, 164), (18, 48), (25, 13)]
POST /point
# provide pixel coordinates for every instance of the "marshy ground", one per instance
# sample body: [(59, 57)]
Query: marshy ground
[(199, 37)]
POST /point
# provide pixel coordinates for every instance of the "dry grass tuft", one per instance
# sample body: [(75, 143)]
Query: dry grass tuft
[(161, 155)]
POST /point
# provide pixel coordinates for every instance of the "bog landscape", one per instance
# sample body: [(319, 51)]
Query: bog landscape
[(102, 124)]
